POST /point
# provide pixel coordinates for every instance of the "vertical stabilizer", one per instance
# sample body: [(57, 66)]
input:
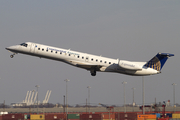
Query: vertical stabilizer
[(158, 61)]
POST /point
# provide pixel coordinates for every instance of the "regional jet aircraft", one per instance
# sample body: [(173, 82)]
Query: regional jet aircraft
[(92, 63)]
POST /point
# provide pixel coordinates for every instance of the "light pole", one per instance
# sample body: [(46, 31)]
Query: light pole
[(37, 86), (32, 102), (88, 98), (133, 98), (143, 95), (174, 95), (66, 95), (124, 83)]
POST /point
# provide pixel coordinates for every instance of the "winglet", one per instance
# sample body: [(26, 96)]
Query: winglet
[(158, 61)]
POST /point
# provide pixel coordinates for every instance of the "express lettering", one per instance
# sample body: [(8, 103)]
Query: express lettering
[(125, 64)]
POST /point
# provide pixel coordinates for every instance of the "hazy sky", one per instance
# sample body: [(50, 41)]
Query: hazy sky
[(128, 30)]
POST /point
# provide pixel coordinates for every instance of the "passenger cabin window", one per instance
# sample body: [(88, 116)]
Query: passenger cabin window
[(104, 61), (82, 57), (101, 61), (92, 59), (77, 56), (24, 44), (109, 62), (42, 49), (51, 51), (60, 52), (96, 60), (47, 50), (38, 48)]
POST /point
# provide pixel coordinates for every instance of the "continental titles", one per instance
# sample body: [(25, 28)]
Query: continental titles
[(62, 51)]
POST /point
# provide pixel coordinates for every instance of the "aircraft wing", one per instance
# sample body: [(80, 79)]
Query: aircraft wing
[(84, 65), (97, 67)]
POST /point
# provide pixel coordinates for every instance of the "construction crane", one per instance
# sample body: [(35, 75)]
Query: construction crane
[(29, 97), (46, 99), (109, 108)]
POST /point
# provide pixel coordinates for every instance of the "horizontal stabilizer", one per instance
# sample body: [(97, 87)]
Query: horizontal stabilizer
[(165, 54)]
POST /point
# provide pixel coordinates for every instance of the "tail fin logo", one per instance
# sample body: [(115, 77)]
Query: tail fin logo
[(154, 63)]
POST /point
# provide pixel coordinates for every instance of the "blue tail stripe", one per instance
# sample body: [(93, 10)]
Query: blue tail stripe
[(162, 59)]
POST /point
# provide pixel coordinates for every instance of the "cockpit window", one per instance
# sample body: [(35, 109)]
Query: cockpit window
[(24, 44)]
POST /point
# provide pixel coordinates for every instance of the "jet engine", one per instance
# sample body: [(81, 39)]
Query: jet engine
[(129, 65)]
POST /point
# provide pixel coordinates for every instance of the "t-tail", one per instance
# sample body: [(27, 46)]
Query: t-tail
[(158, 61)]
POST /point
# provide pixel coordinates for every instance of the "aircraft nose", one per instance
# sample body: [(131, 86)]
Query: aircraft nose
[(11, 48), (7, 48)]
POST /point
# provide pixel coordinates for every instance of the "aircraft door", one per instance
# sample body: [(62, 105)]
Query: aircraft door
[(32, 48)]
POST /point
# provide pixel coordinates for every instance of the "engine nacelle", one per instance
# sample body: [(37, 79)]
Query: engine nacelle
[(129, 65)]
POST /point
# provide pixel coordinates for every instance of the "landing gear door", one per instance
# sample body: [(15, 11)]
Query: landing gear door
[(32, 48)]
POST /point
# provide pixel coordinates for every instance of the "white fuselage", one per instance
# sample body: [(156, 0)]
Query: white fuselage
[(90, 62)]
